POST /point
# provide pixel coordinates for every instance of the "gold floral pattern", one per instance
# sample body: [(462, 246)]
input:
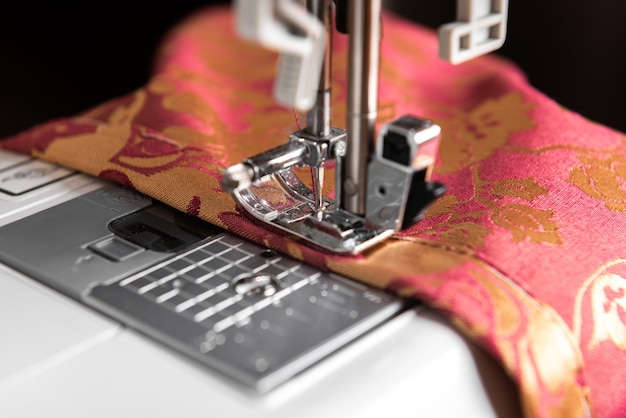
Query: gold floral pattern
[(608, 297), (469, 140), (464, 223), (606, 294), (603, 179), (472, 137), (526, 189), (525, 222)]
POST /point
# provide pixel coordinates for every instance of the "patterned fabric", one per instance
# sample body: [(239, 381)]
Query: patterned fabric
[(526, 253)]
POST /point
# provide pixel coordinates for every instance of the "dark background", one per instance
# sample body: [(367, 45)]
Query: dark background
[(58, 59)]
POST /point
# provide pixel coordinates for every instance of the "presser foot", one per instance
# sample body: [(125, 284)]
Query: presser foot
[(282, 201), (398, 190), (267, 188)]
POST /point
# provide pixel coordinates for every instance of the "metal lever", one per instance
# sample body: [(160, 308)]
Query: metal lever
[(363, 62)]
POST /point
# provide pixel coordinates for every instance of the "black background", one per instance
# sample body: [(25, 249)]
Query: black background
[(58, 59)]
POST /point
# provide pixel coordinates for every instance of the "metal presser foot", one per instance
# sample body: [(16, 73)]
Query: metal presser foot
[(378, 189), (397, 194)]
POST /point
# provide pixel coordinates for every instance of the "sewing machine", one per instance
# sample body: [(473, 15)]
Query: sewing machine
[(381, 185), (105, 365)]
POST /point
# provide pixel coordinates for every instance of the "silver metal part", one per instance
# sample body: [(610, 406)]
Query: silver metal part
[(254, 315), (241, 176), (237, 177), (398, 190), (363, 68), (271, 322), (281, 199), (318, 118), (387, 193), (317, 174), (399, 172), (377, 191)]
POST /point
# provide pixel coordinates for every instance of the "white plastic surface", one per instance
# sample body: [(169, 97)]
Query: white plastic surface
[(273, 24), (480, 28), (52, 192), (29, 176), (41, 329), (414, 366)]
